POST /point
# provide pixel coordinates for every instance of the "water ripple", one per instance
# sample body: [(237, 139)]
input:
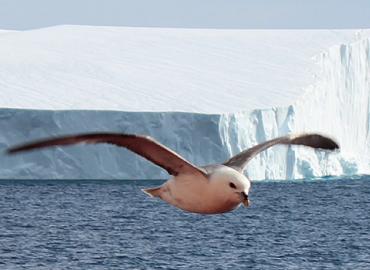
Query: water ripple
[(321, 224)]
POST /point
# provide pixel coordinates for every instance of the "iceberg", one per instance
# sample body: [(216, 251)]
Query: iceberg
[(208, 94)]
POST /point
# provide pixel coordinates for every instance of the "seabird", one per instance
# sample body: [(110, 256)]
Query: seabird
[(210, 189)]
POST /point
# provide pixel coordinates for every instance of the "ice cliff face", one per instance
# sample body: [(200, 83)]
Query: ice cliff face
[(336, 103), (195, 136)]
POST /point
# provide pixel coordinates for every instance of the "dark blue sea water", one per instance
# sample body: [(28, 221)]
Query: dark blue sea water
[(321, 224)]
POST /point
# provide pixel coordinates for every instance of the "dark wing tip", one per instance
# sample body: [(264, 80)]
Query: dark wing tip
[(10, 151), (333, 145), (42, 144), (326, 143), (316, 141), (16, 149), (13, 150), (330, 145)]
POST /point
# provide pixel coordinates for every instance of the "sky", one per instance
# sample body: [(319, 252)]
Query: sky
[(30, 14)]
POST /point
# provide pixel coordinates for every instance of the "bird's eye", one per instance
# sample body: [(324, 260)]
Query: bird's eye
[(232, 185)]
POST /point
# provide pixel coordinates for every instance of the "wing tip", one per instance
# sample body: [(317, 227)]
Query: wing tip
[(315, 140), (334, 146), (12, 150), (21, 148), (327, 143)]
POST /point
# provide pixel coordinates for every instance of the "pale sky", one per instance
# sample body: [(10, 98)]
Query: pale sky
[(29, 14)]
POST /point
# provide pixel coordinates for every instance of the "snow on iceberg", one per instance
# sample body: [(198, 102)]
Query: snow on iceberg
[(207, 94)]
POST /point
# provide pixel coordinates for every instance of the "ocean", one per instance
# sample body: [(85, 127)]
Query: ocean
[(103, 224)]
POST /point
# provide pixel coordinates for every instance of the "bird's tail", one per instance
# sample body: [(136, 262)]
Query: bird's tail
[(152, 192)]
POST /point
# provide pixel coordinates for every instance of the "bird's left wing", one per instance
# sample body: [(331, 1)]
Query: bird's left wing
[(144, 146), (239, 161)]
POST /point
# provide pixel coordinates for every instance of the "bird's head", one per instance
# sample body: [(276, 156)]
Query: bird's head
[(233, 185)]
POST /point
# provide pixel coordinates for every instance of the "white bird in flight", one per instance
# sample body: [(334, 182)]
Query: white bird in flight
[(210, 189)]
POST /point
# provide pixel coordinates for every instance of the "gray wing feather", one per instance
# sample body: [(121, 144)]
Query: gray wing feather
[(144, 146), (311, 140)]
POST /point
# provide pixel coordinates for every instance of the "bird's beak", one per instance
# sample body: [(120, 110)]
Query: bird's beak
[(245, 199)]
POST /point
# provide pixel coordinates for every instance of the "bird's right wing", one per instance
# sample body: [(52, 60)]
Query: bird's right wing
[(239, 161), (141, 145)]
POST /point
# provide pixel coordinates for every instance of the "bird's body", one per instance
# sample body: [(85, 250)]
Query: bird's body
[(198, 194), (211, 189)]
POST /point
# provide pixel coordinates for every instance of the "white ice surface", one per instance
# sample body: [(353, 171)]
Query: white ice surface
[(155, 69), (7, 31), (238, 87)]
